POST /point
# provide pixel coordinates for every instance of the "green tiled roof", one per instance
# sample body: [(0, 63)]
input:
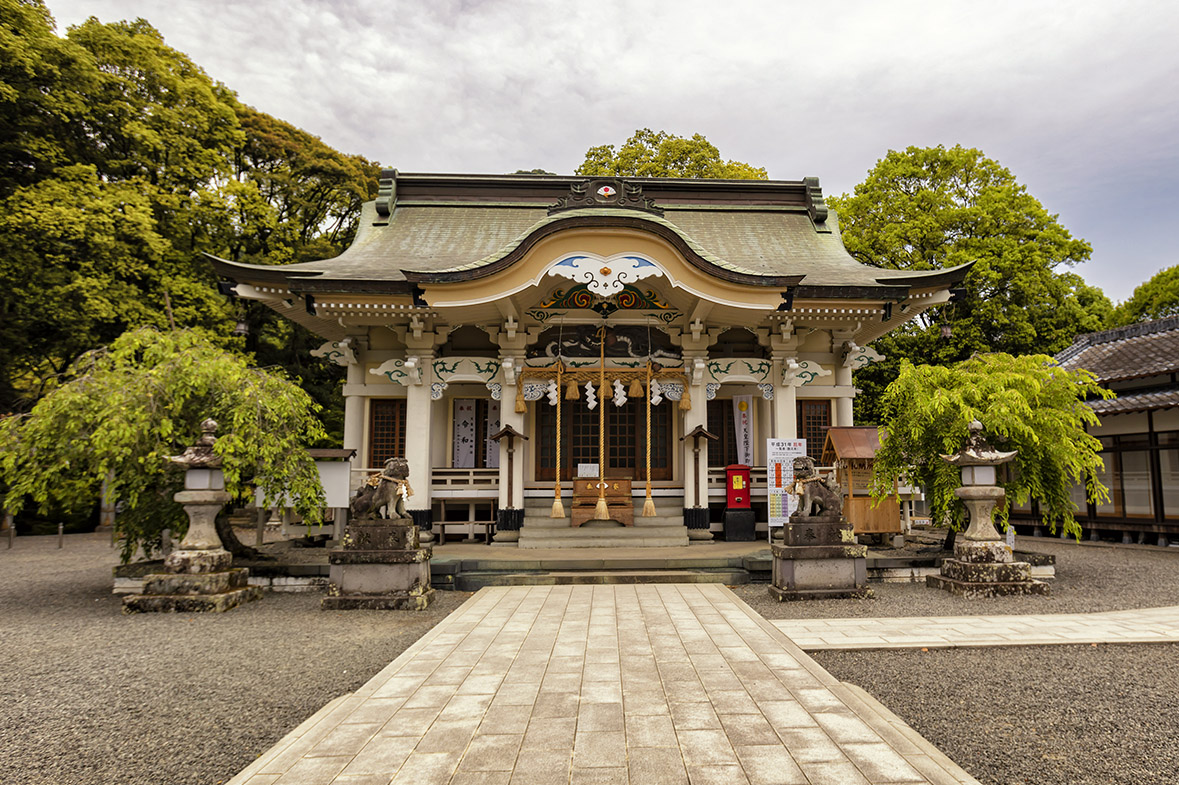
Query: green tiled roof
[(458, 237)]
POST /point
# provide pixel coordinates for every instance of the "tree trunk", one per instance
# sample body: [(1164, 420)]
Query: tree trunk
[(232, 544), (951, 535)]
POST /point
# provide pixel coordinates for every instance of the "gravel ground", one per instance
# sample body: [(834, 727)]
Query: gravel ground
[(1082, 715), (1089, 578), (92, 696), (1034, 714)]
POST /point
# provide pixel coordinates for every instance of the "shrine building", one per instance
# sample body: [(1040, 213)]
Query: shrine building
[(593, 325)]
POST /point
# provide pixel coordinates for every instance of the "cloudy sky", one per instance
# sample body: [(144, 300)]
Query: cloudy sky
[(1076, 97)]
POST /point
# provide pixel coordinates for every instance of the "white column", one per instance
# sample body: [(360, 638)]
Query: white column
[(419, 429), (843, 404), (354, 404)]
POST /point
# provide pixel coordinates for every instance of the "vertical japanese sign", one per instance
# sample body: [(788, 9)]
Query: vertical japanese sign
[(743, 428), (492, 446), (780, 455), (464, 433)]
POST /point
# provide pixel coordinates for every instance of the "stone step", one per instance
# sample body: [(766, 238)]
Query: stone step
[(584, 532), (605, 541), (473, 581), (563, 523)]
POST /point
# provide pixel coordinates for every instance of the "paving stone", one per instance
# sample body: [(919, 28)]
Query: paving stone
[(492, 753), (600, 776), (650, 731), (716, 775), (382, 755), (434, 768), (832, 773), (547, 733), (769, 764), (542, 767), (656, 766), (694, 716), (706, 748), (880, 763), (748, 729), (596, 749)]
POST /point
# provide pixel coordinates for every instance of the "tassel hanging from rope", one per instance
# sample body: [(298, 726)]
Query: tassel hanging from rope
[(572, 393), (636, 389), (521, 407), (601, 510), (685, 400), (648, 503)]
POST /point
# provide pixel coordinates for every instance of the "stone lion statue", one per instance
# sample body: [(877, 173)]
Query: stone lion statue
[(384, 491), (817, 495)]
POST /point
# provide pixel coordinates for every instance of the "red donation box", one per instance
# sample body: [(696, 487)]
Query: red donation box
[(737, 487)]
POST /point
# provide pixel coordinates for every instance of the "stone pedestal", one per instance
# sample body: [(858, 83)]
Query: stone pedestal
[(819, 560), (985, 568), (382, 565), (196, 581)]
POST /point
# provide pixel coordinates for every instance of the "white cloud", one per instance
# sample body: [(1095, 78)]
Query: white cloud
[(1070, 95)]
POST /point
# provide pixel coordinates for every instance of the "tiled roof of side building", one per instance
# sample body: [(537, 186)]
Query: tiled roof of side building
[(1131, 352), (1137, 402), (451, 227)]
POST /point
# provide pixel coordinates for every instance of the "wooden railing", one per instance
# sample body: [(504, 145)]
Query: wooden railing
[(459, 483)]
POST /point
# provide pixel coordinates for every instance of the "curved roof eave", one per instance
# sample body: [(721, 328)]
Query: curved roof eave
[(946, 277)]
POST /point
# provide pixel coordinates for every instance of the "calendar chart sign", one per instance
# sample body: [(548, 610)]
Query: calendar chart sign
[(780, 455)]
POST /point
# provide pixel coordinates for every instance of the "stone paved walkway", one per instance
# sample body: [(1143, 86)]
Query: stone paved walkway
[(589, 685), (1149, 625)]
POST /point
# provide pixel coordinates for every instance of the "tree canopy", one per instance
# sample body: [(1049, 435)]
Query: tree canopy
[(660, 154), (123, 409), (932, 208), (1028, 403), (127, 163), (1154, 299)]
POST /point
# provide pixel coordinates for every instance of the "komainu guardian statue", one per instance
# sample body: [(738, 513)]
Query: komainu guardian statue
[(384, 492), (817, 495)]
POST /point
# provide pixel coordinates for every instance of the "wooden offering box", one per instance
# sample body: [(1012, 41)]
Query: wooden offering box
[(618, 500)]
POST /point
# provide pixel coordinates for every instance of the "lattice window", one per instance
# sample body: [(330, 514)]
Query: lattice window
[(386, 428), (720, 423), (814, 418), (626, 447)]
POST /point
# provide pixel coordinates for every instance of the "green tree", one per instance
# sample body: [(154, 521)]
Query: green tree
[(122, 410), (1154, 299), (931, 208), (44, 81), (1026, 403), (660, 154)]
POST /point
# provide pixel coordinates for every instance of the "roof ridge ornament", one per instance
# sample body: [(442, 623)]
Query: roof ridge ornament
[(605, 192), (386, 193), (816, 207)]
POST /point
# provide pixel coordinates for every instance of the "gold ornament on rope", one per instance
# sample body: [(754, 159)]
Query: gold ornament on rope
[(601, 511)]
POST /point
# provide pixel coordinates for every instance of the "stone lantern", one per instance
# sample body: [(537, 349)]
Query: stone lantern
[(983, 563), (199, 576)]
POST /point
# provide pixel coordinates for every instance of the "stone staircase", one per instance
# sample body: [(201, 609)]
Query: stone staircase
[(666, 529)]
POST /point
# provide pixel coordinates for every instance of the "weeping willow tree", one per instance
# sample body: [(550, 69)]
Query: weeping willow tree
[(1027, 403), (123, 409)]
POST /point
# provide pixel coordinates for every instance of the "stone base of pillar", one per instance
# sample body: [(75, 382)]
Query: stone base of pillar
[(382, 565), (831, 566), (985, 568), (424, 520), (196, 582), (507, 526), (697, 520)]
